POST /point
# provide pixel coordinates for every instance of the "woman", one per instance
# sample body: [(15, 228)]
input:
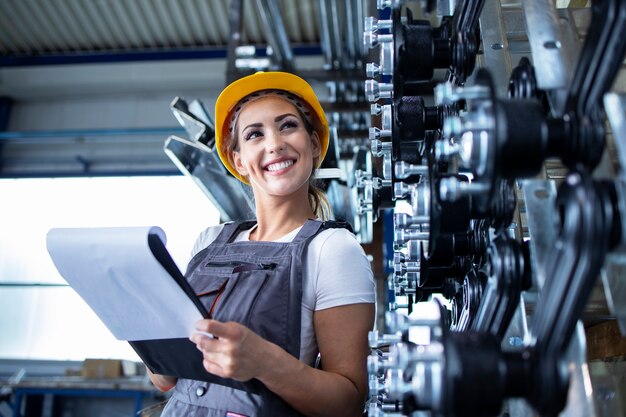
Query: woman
[(284, 288)]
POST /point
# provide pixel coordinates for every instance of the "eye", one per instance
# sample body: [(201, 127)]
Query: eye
[(289, 124), (252, 134)]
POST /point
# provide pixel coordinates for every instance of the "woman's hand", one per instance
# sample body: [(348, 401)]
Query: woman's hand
[(236, 352)]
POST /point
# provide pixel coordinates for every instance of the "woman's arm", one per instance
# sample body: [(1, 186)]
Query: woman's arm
[(339, 388)]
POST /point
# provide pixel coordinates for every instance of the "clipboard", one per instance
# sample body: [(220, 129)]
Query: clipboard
[(109, 268)]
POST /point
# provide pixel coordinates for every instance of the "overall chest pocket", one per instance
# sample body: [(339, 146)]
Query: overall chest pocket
[(231, 289)]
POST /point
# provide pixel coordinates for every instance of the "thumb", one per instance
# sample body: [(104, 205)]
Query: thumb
[(229, 330)]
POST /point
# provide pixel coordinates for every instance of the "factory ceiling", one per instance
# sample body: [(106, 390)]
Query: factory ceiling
[(207, 43), (65, 31)]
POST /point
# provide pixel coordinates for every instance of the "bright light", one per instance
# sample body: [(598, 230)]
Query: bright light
[(54, 323)]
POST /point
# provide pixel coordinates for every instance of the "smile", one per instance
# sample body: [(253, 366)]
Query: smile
[(279, 165)]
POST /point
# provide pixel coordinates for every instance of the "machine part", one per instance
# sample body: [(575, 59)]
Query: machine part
[(594, 76), (546, 44), (282, 55), (523, 81), (539, 198), (378, 147), (403, 220), (588, 213), (449, 373), (412, 118), (195, 119), (404, 170), (495, 45), (204, 166), (371, 37), (467, 301), (374, 90), (508, 274), (196, 158), (615, 268)]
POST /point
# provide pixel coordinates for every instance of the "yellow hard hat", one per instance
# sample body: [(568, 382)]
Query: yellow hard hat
[(237, 90)]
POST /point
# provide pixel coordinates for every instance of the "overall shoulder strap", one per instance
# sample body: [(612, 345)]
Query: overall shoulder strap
[(231, 229), (313, 227)]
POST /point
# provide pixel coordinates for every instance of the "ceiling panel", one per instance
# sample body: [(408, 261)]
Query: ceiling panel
[(44, 27)]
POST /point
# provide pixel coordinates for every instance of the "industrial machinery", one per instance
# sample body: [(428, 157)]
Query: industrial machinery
[(504, 188), (499, 334)]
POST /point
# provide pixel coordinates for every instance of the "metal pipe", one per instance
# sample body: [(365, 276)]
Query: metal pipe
[(335, 33), (235, 18), (325, 36), (271, 15), (351, 48)]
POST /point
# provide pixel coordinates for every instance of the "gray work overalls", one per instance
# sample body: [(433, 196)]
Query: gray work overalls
[(257, 284)]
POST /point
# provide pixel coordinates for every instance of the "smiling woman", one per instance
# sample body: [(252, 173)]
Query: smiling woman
[(50, 321), (282, 289)]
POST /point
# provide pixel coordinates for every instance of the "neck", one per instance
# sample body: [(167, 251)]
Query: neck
[(277, 216)]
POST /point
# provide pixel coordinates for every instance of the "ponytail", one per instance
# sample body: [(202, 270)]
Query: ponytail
[(318, 201)]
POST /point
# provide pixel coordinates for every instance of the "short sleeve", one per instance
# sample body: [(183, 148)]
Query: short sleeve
[(205, 238), (342, 271)]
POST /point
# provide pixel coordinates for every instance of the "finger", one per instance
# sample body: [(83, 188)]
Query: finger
[(230, 330), (202, 325), (204, 343)]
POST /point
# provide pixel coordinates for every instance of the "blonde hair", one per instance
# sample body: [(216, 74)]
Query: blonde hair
[(317, 198), (318, 201)]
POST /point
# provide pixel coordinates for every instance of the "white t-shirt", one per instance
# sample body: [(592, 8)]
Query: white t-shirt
[(336, 272)]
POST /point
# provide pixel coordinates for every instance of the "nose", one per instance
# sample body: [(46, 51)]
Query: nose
[(274, 142)]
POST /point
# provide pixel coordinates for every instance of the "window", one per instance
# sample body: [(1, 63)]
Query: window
[(48, 320)]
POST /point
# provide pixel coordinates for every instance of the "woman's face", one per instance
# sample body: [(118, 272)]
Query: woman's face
[(275, 151)]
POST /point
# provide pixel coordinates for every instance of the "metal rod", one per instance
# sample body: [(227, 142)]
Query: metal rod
[(235, 18), (271, 15)]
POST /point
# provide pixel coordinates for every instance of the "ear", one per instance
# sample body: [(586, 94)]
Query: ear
[(316, 146), (239, 165)]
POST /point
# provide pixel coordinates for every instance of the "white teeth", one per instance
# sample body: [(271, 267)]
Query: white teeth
[(279, 165)]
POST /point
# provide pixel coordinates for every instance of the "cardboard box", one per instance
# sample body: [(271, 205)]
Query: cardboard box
[(108, 368)]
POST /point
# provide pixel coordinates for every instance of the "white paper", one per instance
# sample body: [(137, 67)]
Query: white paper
[(117, 275)]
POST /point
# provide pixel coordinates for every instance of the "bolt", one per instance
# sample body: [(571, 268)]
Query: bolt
[(402, 220), (404, 170), (373, 24), (378, 183), (404, 235), (401, 189), (452, 126), (375, 109), (444, 150), (398, 257), (371, 39), (379, 148), (451, 189), (375, 90), (376, 133), (444, 93), (372, 70)]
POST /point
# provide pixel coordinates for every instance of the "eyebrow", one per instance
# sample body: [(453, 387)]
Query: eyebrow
[(276, 119)]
